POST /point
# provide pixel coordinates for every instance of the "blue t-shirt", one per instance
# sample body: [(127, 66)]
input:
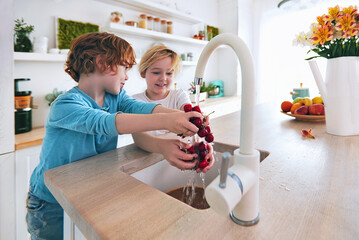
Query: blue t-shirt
[(78, 128)]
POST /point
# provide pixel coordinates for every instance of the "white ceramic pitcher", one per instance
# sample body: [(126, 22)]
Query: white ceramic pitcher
[(340, 93)]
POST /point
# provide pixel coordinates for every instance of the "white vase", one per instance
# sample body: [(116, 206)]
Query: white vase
[(340, 93), (202, 97)]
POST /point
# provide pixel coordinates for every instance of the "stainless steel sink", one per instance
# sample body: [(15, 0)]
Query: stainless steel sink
[(164, 177)]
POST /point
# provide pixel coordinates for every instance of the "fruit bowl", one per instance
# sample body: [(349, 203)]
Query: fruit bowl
[(308, 118)]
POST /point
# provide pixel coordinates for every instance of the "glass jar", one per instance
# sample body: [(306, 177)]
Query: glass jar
[(142, 23), (209, 34), (157, 24), (190, 56), (22, 42), (149, 22), (169, 27), (164, 26), (116, 17)]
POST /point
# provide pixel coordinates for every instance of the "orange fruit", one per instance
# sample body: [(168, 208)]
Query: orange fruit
[(295, 106), (286, 106)]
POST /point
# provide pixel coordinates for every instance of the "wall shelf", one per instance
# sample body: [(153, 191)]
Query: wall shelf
[(155, 9), (39, 57), (46, 57), (139, 32)]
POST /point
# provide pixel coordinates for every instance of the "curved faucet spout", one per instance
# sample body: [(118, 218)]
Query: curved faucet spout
[(248, 84)]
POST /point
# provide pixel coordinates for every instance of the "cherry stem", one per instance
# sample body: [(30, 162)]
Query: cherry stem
[(205, 116)]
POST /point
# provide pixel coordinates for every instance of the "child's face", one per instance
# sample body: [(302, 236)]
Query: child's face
[(159, 77), (115, 80)]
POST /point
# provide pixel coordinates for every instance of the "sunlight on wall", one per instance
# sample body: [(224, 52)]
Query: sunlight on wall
[(282, 65)]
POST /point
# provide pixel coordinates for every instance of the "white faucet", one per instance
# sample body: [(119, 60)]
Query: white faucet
[(238, 195)]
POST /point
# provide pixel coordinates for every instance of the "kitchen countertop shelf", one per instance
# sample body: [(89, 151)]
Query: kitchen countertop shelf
[(139, 32), (150, 7)]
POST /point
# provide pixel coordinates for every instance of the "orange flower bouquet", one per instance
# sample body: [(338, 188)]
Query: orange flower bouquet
[(335, 34)]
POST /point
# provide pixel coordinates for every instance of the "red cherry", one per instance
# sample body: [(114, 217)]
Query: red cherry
[(208, 129), (209, 137), (197, 109), (187, 107), (198, 122), (202, 132), (202, 155), (201, 146), (191, 149), (203, 164)]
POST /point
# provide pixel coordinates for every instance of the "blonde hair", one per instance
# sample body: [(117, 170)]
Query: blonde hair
[(157, 53)]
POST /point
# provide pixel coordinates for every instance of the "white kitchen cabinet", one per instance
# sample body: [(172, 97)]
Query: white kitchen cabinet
[(71, 232), (7, 196), (25, 162)]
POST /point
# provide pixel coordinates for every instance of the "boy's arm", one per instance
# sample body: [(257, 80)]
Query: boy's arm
[(162, 109), (176, 122)]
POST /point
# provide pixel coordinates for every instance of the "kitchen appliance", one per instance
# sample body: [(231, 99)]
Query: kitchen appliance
[(218, 91), (23, 110), (300, 92)]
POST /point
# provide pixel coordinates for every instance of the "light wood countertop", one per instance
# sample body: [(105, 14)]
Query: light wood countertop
[(29, 139), (308, 188)]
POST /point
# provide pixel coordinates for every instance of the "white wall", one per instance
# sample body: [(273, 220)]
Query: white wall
[(281, 65), (47, 76)]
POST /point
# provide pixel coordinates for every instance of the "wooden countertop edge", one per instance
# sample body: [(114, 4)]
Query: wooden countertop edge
[(29, 139), (128, 164)]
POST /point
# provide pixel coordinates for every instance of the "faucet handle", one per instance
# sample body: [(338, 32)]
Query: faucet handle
[(224, 169)]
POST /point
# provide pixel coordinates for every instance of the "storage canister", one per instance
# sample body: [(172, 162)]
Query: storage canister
[(149, 22), (189, 56), (163, 26), (157, 24), (169, 27), (142, 23)]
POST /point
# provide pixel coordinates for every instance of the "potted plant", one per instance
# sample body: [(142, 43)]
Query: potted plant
[(22, 42), (203, 91), (335, 36)]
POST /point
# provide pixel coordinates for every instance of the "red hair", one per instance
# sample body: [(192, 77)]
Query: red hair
[(113, 51)]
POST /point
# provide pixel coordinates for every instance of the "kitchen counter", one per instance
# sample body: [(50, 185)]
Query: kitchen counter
[(29, 139), (308, 188)]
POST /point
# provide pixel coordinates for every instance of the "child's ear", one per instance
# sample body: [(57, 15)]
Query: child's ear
[(143, 75), (99, 63)]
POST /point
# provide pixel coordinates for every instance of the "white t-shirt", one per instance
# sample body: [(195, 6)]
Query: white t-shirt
[(175, 99)]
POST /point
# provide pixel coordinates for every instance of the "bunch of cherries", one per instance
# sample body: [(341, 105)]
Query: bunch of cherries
[(204, 131), (202, 148)]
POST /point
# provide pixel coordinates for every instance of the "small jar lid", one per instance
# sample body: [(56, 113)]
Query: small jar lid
[(22, 93), (149, 17), (163, 21), (157, 19), (131, 23), (143, 16), (169, 22), (22, 79)]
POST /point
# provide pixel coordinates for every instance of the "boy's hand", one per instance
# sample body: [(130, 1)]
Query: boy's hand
[(210, 157), (170, 149), (179, 123)]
